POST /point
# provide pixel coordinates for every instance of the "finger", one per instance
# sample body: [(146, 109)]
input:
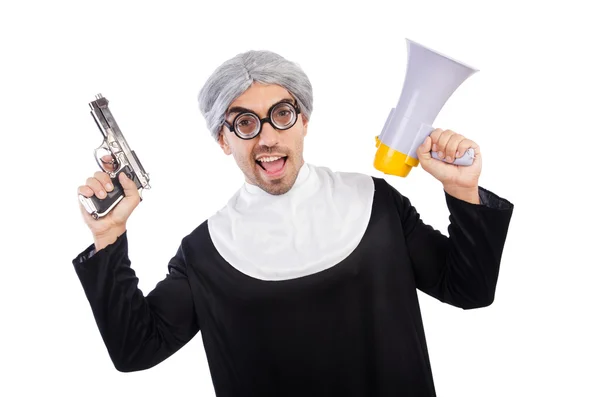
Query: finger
[(107, 158), (442, 142), (435, 136), (424, 150), (129, 186), (109, 163), (463, 146), (452, 146), (104, 178), (425, 147), (466, 144), (96, 186), (85, 191)]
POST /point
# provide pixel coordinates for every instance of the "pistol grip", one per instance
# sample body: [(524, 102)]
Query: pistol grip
[(101, 207)]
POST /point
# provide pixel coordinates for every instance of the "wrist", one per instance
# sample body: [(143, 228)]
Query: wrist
[(104, 239), (468, 194)]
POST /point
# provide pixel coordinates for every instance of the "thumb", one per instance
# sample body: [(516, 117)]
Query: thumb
[(129, 187), (424, 151), (132, 198)]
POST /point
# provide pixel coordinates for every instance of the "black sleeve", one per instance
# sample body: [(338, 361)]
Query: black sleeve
[(461, 269), (139, 332)]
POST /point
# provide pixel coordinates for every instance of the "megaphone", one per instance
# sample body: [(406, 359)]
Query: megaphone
[(431, 78)]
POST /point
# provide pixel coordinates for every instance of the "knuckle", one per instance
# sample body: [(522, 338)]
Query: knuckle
[(467, 144), (102, 176), (95, 186), (84, 190)]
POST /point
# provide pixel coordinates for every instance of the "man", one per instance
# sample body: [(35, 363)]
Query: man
[(304, 284)]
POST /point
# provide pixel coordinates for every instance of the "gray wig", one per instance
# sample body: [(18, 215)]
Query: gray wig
[(235, 76)]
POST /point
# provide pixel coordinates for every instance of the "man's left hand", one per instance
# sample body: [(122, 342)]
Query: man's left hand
[(449, 145)]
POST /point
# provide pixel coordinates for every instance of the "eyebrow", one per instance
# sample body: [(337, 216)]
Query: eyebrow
[(240, 109)]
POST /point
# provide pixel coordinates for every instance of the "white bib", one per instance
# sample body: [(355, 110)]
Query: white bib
[(312, 227)]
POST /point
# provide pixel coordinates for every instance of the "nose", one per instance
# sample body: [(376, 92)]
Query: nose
[(269, 136)]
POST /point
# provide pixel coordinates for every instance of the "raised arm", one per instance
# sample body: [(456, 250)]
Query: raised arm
[(139, 332), (462, 269)]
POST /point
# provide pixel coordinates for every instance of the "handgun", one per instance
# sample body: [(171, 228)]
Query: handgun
[(114, 157)]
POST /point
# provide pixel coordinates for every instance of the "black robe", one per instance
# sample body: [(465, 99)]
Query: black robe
[(354, 329)]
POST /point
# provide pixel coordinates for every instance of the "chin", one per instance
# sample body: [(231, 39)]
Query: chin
[(277, 182)]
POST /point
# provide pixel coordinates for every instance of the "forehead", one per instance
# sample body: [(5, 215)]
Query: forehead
[(259, 98)]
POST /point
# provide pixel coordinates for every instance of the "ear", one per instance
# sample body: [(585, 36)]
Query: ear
[(224, 143), (304, 124)]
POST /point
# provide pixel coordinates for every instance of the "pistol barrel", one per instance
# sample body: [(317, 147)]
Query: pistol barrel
[(115, 140)]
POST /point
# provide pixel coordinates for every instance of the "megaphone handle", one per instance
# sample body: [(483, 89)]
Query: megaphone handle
[(466, 159), (425, 131)]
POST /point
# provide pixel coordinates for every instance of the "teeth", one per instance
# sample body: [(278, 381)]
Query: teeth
[(268, 159)]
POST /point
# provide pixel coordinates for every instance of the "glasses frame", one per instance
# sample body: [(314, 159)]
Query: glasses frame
[(267, 119)]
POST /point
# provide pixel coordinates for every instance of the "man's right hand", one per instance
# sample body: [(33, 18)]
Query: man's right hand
[(106, 229)]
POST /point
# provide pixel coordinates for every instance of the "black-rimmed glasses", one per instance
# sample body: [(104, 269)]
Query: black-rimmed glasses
[(281, 116)]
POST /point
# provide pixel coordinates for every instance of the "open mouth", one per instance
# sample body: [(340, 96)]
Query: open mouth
[(272, 165)]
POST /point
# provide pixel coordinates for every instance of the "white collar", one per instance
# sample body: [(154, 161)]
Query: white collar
[(312, 227)]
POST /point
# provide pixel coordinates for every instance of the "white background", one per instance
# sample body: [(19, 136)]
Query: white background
[(532, 108)]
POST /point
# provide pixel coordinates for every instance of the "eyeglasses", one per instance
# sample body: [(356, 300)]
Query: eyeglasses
[(282, 116)]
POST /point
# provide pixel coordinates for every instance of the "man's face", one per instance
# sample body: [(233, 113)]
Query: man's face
[(278, 176)]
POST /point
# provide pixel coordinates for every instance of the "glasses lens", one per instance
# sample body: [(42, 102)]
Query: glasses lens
[(247, 125), (283, 115)]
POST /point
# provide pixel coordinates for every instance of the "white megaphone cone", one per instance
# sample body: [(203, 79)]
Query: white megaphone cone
[(430, 80)]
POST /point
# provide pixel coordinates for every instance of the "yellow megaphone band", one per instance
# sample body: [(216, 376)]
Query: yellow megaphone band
[(392, 162)]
